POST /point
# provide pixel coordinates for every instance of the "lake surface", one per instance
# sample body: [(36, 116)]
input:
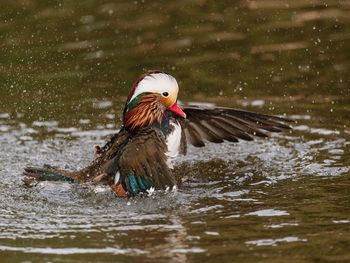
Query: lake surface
[(65, 70)]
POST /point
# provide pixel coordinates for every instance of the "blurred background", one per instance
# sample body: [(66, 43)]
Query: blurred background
[(65, 70)]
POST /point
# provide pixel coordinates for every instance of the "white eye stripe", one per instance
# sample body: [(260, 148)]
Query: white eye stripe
[(157, 83)]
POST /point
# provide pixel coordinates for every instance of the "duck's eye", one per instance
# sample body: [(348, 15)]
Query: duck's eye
[(165, 94)]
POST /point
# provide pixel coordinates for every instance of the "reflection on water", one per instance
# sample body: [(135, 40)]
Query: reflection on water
[(65, 71)]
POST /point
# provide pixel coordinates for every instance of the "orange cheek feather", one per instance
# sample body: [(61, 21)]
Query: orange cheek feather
[(168, 101)]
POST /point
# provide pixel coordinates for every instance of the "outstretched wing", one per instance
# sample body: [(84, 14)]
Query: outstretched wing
[(143, 163), (219, 124)]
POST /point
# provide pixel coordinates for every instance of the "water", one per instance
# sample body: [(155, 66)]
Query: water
[(66, 68)]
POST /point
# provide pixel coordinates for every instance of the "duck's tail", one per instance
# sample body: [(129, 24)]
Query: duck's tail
[(46, 173)]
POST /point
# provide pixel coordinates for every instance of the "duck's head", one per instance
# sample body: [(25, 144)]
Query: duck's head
[(152, 95)]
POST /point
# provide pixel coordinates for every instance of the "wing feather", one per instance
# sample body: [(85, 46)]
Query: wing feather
[(143, 163), (207, 133), (226, 124), (194, 136)]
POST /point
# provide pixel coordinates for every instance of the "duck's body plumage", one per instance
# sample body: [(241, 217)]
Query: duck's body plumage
[(156, 130)]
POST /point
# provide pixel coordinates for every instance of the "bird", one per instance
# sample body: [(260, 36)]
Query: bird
[(139, 158)]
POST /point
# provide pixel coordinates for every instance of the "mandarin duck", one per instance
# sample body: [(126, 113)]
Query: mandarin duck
[(156, 129)]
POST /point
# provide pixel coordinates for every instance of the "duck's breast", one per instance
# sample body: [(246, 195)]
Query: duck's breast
[(173, 140)]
